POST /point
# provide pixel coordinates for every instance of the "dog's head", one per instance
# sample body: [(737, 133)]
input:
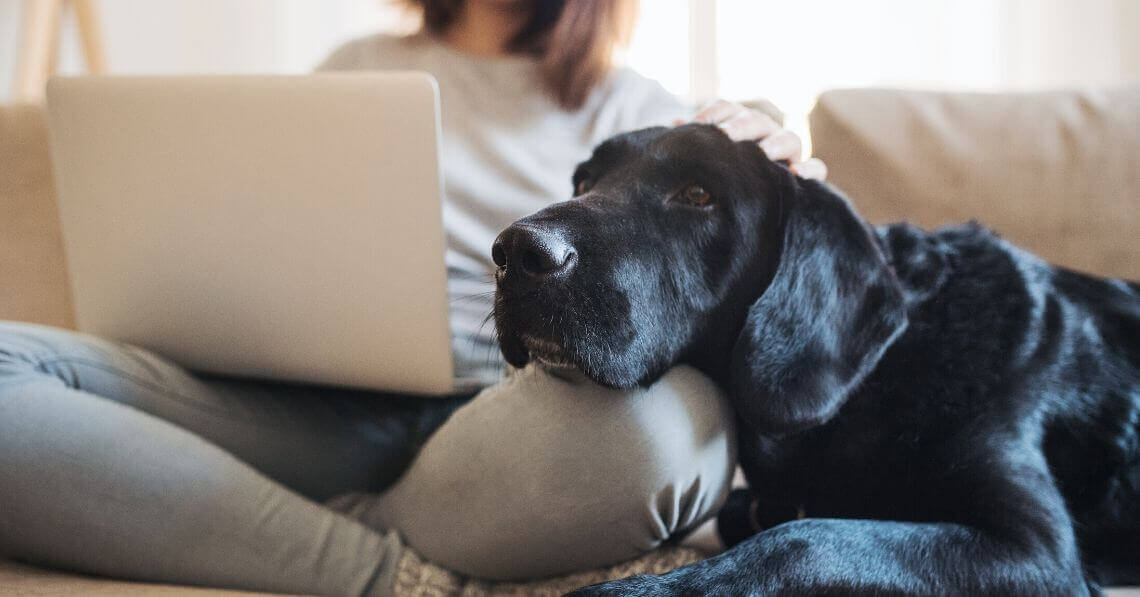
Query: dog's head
[(681, 245)]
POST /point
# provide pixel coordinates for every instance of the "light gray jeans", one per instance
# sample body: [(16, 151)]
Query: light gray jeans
[(116, 462)]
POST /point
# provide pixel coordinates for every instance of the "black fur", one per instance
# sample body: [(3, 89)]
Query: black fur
[(947, 413)]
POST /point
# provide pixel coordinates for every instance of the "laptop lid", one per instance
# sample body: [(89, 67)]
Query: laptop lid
[(284, 227)]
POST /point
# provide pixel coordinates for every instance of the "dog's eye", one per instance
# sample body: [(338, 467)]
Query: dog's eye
[(583, 186), (694, 195)]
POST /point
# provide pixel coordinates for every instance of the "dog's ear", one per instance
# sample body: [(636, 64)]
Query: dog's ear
[(831, 309)]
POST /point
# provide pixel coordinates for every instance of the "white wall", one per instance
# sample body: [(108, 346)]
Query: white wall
[(9, 38), (786, 50), (218, 36)]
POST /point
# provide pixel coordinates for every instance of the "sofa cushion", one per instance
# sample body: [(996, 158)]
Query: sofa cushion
[(34, 283), (20, 579), (1056, 172)]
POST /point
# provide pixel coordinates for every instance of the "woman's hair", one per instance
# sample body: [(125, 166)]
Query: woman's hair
[(573, 39)]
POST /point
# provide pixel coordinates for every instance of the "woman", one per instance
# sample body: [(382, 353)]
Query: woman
[(116, 462)]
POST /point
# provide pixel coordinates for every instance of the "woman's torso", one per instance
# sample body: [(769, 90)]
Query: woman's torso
[(508, 150)]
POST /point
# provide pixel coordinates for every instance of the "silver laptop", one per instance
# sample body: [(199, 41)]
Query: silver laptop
[(284, 227)]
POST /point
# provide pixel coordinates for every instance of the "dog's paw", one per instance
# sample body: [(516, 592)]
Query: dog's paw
[(734, 522), (641, 585)]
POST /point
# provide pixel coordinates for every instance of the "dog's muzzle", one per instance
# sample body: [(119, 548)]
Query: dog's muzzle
[(531, 253)]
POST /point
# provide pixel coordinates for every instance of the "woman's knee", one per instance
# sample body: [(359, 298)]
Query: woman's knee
[(31, 351), (58, 357), (677, 450), (543, 474), (24, 348), (667, 450)]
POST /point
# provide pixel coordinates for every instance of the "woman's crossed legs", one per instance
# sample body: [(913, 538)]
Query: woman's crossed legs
[(115, 462)]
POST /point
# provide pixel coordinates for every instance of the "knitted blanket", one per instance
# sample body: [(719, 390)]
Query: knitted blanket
[(417, 578)]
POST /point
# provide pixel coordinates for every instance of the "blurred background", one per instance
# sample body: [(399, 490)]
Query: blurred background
[(785, 51)]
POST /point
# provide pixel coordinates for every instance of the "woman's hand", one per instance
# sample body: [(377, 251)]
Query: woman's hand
[(745, 124)]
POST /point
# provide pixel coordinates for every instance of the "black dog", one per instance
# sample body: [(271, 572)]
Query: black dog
[(919, 412)]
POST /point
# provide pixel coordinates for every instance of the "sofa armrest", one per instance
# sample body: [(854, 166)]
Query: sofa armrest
[(34, 283)]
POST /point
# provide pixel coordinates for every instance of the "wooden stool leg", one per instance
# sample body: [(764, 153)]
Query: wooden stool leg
[(90, 36), (38, 48)]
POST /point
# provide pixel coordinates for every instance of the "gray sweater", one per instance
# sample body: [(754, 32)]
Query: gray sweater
[(508, 150)]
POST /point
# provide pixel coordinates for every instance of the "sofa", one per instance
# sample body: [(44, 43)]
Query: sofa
[(1058, 173)]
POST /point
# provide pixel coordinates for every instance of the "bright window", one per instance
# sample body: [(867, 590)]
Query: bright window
[(788, 51)]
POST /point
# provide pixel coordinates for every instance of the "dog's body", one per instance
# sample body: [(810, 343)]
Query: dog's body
[(1011, 402), (919, 413)]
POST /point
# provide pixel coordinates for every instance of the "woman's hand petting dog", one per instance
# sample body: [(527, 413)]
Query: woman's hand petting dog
[(742, 123)]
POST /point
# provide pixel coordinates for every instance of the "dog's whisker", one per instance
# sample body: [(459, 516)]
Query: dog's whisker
[(480, 296)]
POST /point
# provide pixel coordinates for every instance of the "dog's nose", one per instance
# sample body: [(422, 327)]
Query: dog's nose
[(533, 251)]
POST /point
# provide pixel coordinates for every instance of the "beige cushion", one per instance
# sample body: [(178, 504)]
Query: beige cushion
[(1058, 173), (34, 280)]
